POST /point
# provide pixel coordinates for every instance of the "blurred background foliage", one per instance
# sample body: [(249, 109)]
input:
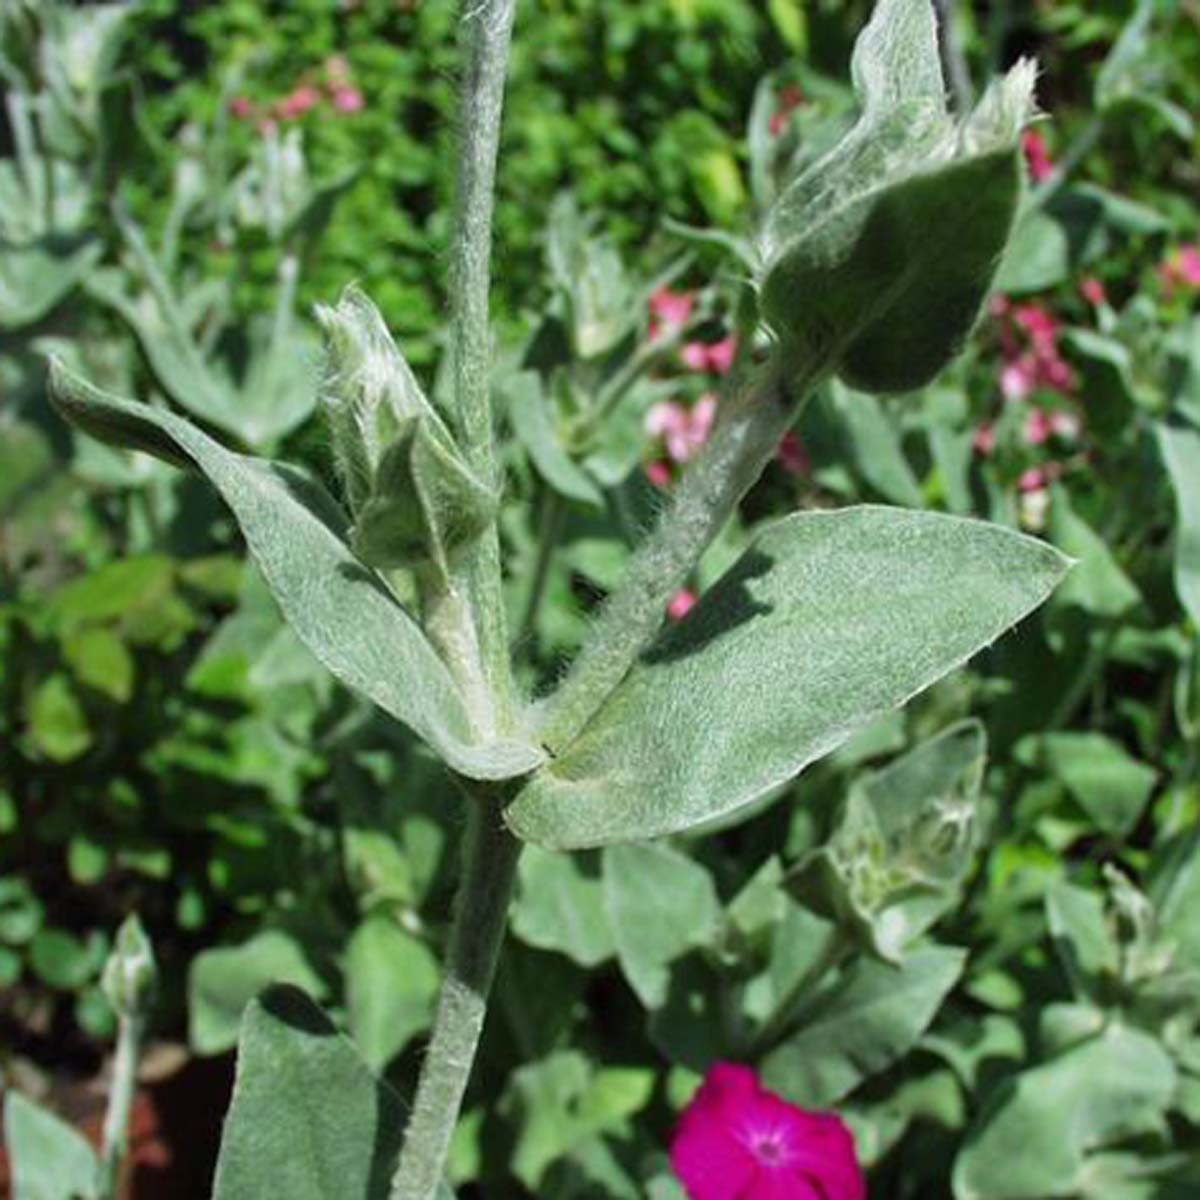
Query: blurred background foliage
[(181, 184)]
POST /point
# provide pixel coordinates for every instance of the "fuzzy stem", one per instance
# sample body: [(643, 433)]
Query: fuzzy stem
[(487, 31), (756, 417), (954, 61), (120, 1101), (490, 856)]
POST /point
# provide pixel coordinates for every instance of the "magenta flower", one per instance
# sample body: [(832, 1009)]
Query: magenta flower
[(1037, 427), (737, 1141), (669, 311), (1092, 290), (240, 107), (681, 604), (1037, 156)]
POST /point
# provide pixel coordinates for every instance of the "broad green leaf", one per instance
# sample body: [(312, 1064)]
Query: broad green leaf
[(391, 984), (1107, 370), (561, 907), (101, 661), (897, 231), (1175, 891), (47, 1159), (563, 1101), (63, 961), (1038, 256), (1109, 784), (223, 981), (532, 422), (34, 278), (308, 1120), (340, 609), (1097, 585), (660, 905), (1084, 942), (828, 621), (872, 1016), (1180, 446), (57, 723), (874, 446), (1033, 1136)]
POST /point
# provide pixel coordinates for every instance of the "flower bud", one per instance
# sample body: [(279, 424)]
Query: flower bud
[(130, 976), (413, 495)]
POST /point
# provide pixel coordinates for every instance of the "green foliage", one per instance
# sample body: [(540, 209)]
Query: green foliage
[(993, 976)]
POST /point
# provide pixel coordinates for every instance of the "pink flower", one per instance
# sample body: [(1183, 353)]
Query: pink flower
[(337, 69), (737, 1141), (1092, 290), (1037, 156), (792, 456), (347, 99), (1039, 323), (658, 471), (716, 357), (721, 355), (1018, 378), (681, 604), (669, 311), (984, 439), (240, 107), (298, 101), (1181, 267), (1032, 480), (683, 430)]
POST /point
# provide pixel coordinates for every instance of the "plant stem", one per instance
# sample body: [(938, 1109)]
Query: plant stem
[(487, 31), (490, 856), (755, 418), (954, 61), (120, 1101)]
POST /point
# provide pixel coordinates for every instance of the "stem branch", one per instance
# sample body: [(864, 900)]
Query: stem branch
[(756, 417), (120, 1101)]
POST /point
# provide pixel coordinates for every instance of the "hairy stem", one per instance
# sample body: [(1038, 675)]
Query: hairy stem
[(486, 33), (120, 1101), (954, 61), (553, 518), (490, 856), (755, 418)]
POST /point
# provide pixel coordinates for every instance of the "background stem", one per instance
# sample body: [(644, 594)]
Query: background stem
[(120, 1101), (490, 856)]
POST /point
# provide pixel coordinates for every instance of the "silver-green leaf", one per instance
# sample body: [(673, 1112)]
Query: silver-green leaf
[(344, 612), (826, 622)]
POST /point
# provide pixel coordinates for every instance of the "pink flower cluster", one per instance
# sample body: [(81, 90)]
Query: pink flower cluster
[(336, 86), (1180, 270), (681, 429), (738, 1141), (1029, 337), (1037, 156)]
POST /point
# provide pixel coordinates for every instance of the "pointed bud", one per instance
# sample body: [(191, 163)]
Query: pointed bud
[(130, 976)]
